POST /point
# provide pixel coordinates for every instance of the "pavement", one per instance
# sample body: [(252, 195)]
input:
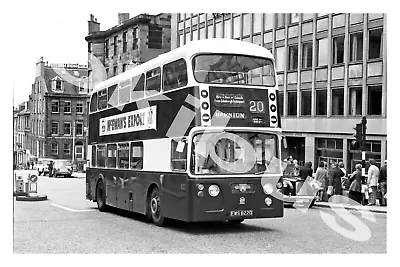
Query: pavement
[(376, 208)]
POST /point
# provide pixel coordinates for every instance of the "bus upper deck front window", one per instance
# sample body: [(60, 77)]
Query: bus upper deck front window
[(233, 69), (235, 153)]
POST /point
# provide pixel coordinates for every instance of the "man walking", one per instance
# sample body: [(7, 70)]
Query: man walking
[(372, 182)]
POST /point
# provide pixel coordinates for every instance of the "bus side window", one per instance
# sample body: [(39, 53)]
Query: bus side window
[(174, 75), (111, 156), (178, 155), (93, 162), (137, 155), (153, 81), (112, 96), (102, 99), (123, 156), (137, 87), (101, 156), (93, 103), (123, 91)]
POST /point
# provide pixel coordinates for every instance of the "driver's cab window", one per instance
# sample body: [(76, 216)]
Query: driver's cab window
[(178, 154)]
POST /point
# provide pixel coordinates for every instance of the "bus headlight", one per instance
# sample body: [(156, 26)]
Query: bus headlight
[(213, 190), (268, 201), (268, 189), (200, 187), (278, 185)]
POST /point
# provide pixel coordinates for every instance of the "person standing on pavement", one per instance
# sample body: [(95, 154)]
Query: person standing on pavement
[(372, 182), (383, 184), (335, 178), (28, 165), (355, 186), (321, 175)]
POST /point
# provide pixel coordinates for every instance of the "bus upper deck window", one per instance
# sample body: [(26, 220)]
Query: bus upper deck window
[(175, 75), (102, 99), (93, 103), (153, 81), (137, 87)]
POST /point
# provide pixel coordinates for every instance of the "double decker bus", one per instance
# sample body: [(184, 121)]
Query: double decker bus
[(192, 135)]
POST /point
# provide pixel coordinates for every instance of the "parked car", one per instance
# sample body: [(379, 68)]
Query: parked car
[(42, 165), (61, 167)]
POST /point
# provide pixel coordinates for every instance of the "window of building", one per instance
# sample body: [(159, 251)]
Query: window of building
[(54, 128), (375, 43), (123, 156), (67, 128), (292, 103), (305, 102), (111, 160), (356, 46), (115, 70), (79, 128), (137, 87), (93, 103), (280, 103), (115, 45), (293, 17), (210, 29), (257, 22), (338, 50), (228, 29), (124, 88), (279, 20), (293, 57), (67, 149), (203, 33), (375, 100), (57, 84), (338, 21), (307, 55), (175, 75), (124, 41), (355, 101), (135, 35), (178, 155), (112, 99), (323, 52), (154, 37), (67, 106), (337, 101), (280, 58), (54, 149), (79, 107), (218, 30), (137, 155), (124, 66), (90, 47), (356, 18), (153, 81), (195, 35), (246, 24), (268, 21), (321, 102), (79, 152), (107, 47), (307, 16), (101, 156)]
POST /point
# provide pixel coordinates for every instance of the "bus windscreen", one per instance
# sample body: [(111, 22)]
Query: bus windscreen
[(233, 69)]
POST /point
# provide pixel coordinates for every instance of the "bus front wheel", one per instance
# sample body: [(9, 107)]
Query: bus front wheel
[(101, 196), (155, 208)]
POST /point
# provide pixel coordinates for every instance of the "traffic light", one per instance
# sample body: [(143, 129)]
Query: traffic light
[(358, 135)]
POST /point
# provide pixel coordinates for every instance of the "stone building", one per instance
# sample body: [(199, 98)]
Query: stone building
[(133, 41), (58, 111), (332, 70), (21, 134)]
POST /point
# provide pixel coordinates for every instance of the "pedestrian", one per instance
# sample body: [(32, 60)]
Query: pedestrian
[(296, 167), (383, 184), (372, 182), (344, 180), (28, 165), (32, 165), (335, 178), (355, 186), (50, 168), (321, 175)]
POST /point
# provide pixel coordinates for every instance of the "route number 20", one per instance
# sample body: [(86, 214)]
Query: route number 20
[(256, 106)]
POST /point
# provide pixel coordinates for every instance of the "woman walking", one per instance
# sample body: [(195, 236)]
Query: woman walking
[(321, 175), (355, 186)]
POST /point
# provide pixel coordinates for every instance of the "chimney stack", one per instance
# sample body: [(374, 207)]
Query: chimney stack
[(122, 17), (94, 26)]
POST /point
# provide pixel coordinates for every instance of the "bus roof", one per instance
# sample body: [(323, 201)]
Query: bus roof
[(215, 45)]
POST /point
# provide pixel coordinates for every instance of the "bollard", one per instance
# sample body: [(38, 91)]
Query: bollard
[(30, 193)]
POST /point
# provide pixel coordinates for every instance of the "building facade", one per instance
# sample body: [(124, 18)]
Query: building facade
[(58, 111), (21, 133), (131, 42), (332, 71)]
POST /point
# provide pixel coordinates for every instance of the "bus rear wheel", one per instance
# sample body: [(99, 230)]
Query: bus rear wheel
[(101, 196), (155, 208)]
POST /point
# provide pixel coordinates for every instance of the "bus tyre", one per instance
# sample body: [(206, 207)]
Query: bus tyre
[(155, 208), (101, 196)]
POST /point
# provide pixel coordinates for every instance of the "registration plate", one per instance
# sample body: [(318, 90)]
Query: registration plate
[(241, 213)]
